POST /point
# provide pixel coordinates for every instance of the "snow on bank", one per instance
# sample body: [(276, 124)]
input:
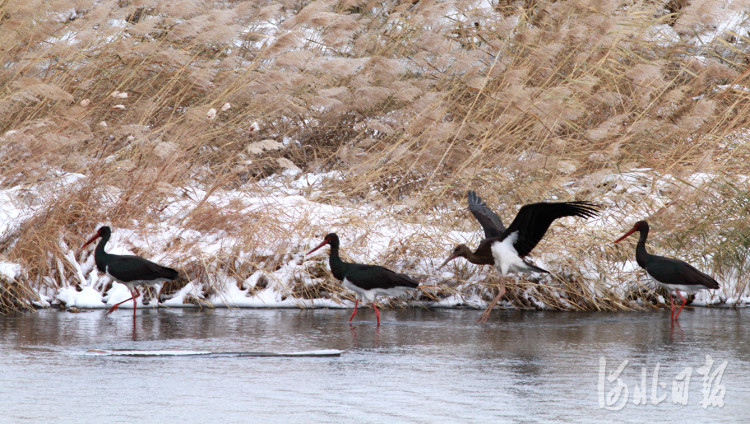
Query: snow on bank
[(378, 232), (10, 270)]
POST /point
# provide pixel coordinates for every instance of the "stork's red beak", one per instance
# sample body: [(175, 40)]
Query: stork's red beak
[(96, 236), (632, 230), (319, 246)]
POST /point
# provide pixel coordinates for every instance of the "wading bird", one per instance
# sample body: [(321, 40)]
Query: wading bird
[(505, 248), (366, 281), (673, 274), (130, 270)]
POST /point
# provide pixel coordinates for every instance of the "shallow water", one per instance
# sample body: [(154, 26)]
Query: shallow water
[(420, 366)]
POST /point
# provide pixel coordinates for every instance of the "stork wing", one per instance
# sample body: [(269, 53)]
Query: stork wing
[(375, 276), (132, 268), (534, 219), (490, 222), (675, 271)]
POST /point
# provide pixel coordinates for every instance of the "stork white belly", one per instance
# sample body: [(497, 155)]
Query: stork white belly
[(687, 288), (132, 284), (506, 257), (369, 295)]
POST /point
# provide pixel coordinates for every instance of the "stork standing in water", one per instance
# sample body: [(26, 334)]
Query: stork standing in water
[(130, 270), (505, 248), (672, 274), (366, 281)]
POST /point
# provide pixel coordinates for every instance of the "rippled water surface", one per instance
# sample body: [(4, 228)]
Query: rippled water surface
[(420, 366)]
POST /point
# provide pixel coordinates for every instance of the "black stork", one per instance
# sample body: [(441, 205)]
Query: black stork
[(505, 248), (673, 274), (366, 281), (128, 269)]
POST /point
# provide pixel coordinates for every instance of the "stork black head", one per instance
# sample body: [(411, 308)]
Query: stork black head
[(104, 232), (641, 226), (460, 251), (330, 238)]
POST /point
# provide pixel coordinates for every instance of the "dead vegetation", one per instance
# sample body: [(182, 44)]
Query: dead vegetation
[(413, 101)]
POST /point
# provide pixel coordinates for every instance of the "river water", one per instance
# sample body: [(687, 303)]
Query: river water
[(423, 366)]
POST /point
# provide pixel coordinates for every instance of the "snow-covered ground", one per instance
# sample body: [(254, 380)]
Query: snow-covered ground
[(291, 199)]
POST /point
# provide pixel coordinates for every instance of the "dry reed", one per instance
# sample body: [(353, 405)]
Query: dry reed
[(412, 102)]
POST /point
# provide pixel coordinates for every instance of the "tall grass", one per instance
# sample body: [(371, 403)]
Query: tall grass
[(413, 101)]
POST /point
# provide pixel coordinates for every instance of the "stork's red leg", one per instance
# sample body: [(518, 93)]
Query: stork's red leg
[(355, 310), (133, 298), (684, 302), (486, 314), (377, 312), (671, 302)]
